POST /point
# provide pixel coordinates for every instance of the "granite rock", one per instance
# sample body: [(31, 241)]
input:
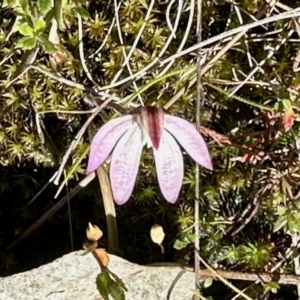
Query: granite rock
[(73, 277)]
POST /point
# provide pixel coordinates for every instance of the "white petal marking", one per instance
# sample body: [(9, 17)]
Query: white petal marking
[(189, 138), (105, 140), (125, 164), (169, 167)]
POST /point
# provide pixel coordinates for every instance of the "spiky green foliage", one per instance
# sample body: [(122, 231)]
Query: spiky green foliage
[(253, 190)]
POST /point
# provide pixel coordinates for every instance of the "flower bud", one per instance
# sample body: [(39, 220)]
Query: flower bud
[(93, 232)]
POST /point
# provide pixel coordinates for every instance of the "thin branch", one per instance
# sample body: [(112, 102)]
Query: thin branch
[(58, 205), (222, 278), (107, 35), (245, 36), (133, 46), (208, 65), (295, 242), (204, 69), (169, 23), (81, 51), (186, 33), (126, 58), (13, 29), (288, 15), (58, 78), (164, 49), (65, 81), (247, 276), (109, 205), (110, 211), (5, 59), (28, 59), (76, 140), (247, 220), (70, 218), (283, 279), (41, 190), (197, 171), (269, 55)]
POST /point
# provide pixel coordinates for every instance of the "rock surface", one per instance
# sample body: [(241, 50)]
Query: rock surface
[(73, 277)]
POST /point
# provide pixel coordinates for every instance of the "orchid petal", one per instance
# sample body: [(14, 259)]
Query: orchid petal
[(125, 164), (189, 138), (105, 140), (169, 167)]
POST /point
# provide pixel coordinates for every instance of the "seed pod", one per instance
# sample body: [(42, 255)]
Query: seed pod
[(93, 232), (157, 234)]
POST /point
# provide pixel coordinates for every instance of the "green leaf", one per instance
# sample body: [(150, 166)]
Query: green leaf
[(144, 4), (49, 47), (65, 3), (8, 3), (116, 291), (178, 245), (27, 43), (191, 237), (293, 220), (25, 29), (281, 210), (27, 59), (208, 282), (188, 239), (287, 104), (44, 6), (28, 20), (83, 12), (281, 222), (50, 15), (117, 279), (34, 13), (58, 14), (39, 24), (102, 282), (272, 286), (241, 99), (107, 286), (25, 6)]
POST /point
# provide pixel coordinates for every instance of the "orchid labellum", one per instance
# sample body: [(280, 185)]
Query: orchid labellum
[(126, 136)]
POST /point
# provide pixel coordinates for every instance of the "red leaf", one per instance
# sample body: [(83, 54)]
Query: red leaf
[(288, 119)]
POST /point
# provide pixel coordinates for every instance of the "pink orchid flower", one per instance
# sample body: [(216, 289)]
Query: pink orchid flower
[(126, 136)]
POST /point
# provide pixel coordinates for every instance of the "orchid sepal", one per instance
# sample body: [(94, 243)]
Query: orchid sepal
[(105, 140), (190, 139)]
